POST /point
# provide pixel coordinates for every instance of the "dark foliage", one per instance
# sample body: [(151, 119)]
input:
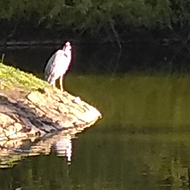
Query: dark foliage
[(107, 20)]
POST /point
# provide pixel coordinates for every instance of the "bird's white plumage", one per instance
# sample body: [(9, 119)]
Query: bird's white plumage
[(58, 64)]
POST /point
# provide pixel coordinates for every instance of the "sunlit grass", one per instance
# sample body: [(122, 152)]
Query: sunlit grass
[(11, 77)]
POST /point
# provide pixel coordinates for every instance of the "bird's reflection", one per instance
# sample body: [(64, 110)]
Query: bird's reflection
[(61, 144), (63, 147)]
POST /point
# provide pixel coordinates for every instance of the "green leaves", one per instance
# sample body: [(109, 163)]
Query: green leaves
[(94, 16)]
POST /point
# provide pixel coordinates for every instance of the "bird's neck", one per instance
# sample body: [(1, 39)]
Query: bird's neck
[(65, 55)]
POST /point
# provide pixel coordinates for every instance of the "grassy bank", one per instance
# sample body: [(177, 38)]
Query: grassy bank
[(11, 77)]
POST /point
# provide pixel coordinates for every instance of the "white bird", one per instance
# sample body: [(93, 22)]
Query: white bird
[(58, 65)]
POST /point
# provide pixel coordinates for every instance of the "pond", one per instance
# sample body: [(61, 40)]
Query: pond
[(142, 141)]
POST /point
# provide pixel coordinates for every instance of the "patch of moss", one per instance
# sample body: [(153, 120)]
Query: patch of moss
[(11, 77)]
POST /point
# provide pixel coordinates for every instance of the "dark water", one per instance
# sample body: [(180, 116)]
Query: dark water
[(108, 160), (142, 142), (96, 58)]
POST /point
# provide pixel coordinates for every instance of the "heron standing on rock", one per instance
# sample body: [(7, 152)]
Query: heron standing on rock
[(58, 65)]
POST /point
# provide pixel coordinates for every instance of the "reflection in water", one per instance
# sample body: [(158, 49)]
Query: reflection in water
[(13, 151), (63, 147), (107, 159), (133, 161), (98, 58)]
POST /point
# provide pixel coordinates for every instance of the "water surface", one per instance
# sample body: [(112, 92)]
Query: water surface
[(142, 142)]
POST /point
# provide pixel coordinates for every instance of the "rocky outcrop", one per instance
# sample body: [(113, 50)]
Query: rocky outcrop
[(42, 113)]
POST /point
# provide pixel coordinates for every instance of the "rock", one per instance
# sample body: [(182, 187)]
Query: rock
[(43, 111)]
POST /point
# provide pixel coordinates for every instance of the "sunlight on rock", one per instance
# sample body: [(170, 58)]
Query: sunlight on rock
[(44, 114)]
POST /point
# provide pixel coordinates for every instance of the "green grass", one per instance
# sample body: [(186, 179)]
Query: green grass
[(11, 77)]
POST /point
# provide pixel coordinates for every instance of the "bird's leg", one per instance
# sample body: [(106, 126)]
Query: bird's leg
[(53, 83), (61, 82)]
